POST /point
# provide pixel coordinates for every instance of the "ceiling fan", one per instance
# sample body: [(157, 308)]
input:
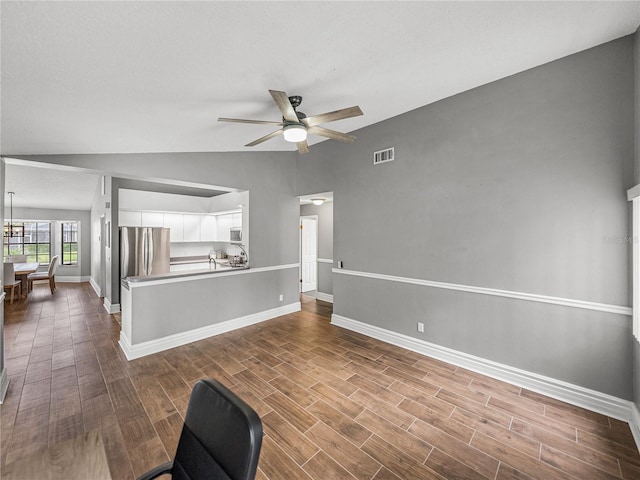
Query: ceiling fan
[(296, 125)]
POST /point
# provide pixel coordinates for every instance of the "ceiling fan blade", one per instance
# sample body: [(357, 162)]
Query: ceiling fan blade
[(332, 134), (332, 116), (240, 120), (303, 147), (265, 138), (282, 100)]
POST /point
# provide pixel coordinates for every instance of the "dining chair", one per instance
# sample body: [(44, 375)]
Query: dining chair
[(50, 275), (9, 281), (19, 258), (220, 440)]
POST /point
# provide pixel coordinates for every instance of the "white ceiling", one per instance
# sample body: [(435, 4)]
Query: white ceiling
[(49, 188), (116, 77), (108, 77)]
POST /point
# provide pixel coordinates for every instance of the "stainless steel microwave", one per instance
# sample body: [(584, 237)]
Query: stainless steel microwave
[(236, 235)]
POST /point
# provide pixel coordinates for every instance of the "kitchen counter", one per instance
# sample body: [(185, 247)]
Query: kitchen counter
[(212, 269)]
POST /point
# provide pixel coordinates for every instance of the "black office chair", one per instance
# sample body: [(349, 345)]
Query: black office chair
[(220, 440)]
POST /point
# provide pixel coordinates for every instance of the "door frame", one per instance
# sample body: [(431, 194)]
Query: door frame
[(307, 217), (102, 278)]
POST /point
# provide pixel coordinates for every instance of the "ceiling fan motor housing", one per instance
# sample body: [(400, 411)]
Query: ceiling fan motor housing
[(295, 100)]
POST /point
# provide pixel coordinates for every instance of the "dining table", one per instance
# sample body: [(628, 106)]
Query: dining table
[(22, 271)]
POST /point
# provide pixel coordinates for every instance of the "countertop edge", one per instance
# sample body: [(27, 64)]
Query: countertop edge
[(188, 273)]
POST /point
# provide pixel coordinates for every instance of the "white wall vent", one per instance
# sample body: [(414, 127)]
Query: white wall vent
[(382, 156)]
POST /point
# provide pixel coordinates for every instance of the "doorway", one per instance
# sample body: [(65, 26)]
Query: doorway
[(308, 253)]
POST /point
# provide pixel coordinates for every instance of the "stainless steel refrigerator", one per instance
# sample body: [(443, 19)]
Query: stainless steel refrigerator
[(144, 251)]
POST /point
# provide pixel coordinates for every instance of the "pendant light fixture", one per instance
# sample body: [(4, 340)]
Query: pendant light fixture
[(12, 230)]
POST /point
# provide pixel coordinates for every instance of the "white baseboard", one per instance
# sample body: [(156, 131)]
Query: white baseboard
[(325, 297), (574, 394), (634, 424), (72, 279), (4, 384), (154, 346), (111, 307), (95, 286)]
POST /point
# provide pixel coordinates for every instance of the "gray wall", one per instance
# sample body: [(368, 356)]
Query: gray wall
[(2, 367), (226, 298), (325, 242), (83, 268), (636, 373), (636, 58), (517, 185)]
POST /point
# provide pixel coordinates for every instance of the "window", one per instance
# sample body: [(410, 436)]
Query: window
[(35, 244), (69, 243)]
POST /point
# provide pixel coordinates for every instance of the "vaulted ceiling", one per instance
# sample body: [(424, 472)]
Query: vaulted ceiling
[(114, 77)]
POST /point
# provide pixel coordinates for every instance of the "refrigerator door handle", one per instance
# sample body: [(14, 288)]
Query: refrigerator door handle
[(145, 245), (149, 266), (124, 252)]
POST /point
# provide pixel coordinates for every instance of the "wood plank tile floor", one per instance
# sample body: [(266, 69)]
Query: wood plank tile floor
[(334, 404)]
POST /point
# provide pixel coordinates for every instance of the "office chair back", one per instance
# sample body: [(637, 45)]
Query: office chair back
[(221, 437)]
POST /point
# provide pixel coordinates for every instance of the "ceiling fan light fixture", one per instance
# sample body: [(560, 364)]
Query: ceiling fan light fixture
[(295, 133), (317, 201)]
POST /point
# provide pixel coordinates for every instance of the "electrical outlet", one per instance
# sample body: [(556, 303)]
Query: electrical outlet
[(421, 327), (281, 297)]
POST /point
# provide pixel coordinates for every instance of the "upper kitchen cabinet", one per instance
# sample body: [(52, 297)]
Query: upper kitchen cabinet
[(225, 222), (175, 222), (191, 228), (152, 219), (190, 218), (128, 218), (208, 228)]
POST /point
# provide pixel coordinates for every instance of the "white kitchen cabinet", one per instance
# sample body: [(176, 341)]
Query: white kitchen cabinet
[(191, 226), (208, 228), (185, 227), (175, 221), (152, 219), (129, 218), (225, 222)]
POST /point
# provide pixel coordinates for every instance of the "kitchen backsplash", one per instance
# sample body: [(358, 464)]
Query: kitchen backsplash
[(196, 249)]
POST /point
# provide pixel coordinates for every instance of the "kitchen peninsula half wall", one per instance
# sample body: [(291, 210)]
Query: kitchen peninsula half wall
[(168, 311)]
